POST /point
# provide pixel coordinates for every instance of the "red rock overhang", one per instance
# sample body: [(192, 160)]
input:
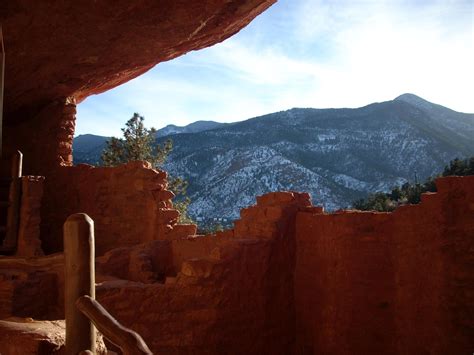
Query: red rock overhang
[(57, 49)]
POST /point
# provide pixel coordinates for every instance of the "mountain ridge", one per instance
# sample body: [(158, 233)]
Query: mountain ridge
[(194, 127), (337, 155)]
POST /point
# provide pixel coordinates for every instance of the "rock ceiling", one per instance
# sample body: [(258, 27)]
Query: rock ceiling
[(56, 49)]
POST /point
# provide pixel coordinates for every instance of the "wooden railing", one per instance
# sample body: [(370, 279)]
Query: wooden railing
[(82, 310), (126, 339)]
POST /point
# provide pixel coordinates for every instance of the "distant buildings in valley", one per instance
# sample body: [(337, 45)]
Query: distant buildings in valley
[(213, 219)]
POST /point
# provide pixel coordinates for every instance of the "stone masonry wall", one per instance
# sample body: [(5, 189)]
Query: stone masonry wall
[(32, 287), (288, 279), (389, 283), (225, 293), (44, 139), (231, 294), (29, 243), (129, 205)]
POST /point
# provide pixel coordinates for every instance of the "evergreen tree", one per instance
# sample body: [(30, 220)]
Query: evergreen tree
[(139, 143), (179, 186), (460, 167), (411, 193)]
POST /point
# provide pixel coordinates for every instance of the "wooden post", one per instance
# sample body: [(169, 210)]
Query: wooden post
[(13, 216), (79, 281), (17, 164), (2, 76)]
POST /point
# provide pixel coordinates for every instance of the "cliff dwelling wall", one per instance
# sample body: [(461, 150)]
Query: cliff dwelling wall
[(29, 242), (389, 283), (288, 279), (45, 139), (129, 205), (47, 71), (232, 292)]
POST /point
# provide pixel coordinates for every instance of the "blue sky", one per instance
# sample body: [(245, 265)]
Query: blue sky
[(305, 53)]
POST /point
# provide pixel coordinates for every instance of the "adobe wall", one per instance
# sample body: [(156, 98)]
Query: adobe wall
[(29, 242), (289, 279), (32, 287), (226, 293), (213, 306), (129, 205), (232, 293), (389, 283)]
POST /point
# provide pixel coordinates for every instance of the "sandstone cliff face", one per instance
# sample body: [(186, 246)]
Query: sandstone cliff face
[(69, 48), (58, 53)]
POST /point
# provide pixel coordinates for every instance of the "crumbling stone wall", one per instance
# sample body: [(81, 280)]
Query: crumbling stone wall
[(389, 283), (129, 205), (32, 287), (289, 279), (232, 293), (29, 243), (45, 138)]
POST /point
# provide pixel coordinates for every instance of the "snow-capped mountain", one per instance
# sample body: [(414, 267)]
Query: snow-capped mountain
[(338, 155), (194, 127)]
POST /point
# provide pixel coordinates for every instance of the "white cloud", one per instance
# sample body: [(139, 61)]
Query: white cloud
[(310, 53)]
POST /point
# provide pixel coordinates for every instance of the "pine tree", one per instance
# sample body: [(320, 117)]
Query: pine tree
[(411, 193), (460, 167), (139, 143)]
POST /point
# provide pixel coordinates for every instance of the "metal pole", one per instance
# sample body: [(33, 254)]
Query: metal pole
[(79, 281)]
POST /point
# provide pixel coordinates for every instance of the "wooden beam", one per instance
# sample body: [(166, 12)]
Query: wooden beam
[(79, 280)]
